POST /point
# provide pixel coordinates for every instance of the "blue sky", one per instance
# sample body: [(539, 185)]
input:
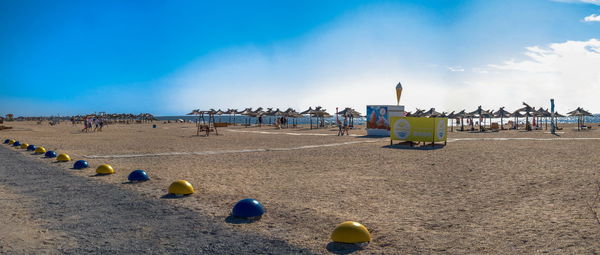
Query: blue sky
[(168, 57)]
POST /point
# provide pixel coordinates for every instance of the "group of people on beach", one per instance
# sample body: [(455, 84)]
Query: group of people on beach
[(281, 122), (93, 124), (343, 127)]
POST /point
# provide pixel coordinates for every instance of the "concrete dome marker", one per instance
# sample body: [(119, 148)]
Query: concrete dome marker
[(50, 154), (63, 157), (181, 188), (351, 232), (81, 164), (138, 175), (248, 208), (105, 169), (40, 150)]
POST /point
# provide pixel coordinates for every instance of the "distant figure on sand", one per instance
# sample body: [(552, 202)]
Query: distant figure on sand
[(99, 124), (86, 126), (346, 126)]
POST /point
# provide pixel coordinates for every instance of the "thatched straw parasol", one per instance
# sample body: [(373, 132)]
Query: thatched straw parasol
[(501, 113), (310, 113), (527, 110), (580, 113), (462, 115), (481, 114), (544, 113), (451, 116), (321, 114)]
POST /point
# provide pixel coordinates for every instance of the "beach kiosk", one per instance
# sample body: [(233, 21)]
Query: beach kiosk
[(378, 116)]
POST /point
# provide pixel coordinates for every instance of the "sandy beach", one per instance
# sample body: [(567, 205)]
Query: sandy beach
[(508, 192)]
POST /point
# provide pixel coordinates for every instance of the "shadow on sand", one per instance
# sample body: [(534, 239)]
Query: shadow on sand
[(236, 220), (413, 146), (99, 175), (343, 248), (173, 196), (372, 137), (130, 182)]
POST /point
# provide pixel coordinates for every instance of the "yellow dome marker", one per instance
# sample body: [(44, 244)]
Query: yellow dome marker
[(40, 150), (105, 169), (180, 188), (63, 157), (351, 232), (11, 141), (24, 146)]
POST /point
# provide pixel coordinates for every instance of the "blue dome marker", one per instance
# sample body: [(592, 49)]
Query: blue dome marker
[(50, 154), (81, 164), (31, 147), (17, 143), (248, 208), (138, 175), (7, 140)]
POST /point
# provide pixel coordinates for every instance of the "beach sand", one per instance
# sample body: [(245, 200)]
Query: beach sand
[(500, 196)]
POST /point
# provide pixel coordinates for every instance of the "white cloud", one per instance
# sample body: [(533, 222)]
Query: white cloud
[(565, 71), (596, 2), (456, 69), (592, 18)]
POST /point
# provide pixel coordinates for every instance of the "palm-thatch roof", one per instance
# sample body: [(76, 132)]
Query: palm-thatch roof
[(501, 113), (451, 115), (320, 112), (461, 114), (480, 112), (349, 112), (418, 113), (309, 111), (579, 112), (431, 113), (541, 112)]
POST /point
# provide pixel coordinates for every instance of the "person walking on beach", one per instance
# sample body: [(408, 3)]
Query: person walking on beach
[(90, 123), (85, 125), (340, 128), (96, 123), (346, 127), (101, 124)]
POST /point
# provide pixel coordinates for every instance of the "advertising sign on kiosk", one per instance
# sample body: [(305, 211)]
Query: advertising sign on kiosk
[(378, 118), (418, 129)]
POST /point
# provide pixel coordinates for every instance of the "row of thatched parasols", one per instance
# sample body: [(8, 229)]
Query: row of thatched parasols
[(526, 112), (118, 117), (260, 114)]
